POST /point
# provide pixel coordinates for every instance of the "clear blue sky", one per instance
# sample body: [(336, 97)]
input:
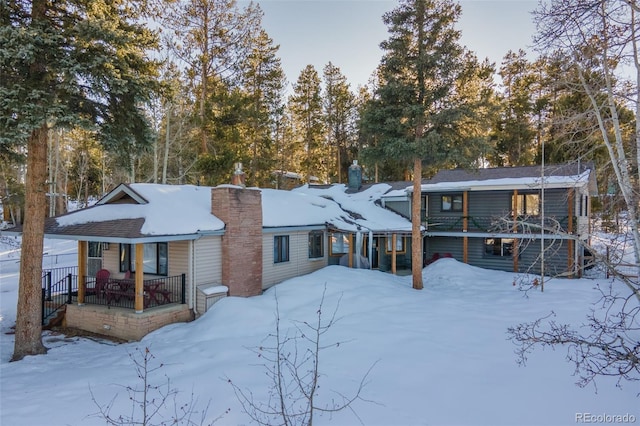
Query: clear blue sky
[(348, 32)]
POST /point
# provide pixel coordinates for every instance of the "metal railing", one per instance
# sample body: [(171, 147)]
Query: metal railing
[(121, 292), (58, 288), (495, 224)]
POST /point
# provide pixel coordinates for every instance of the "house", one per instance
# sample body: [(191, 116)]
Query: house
[(509, 218), (150, 254)]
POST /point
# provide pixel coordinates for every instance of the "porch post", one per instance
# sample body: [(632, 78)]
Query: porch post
[(393, 252), (351, 249), (465, 226), (139, 280), (570, 262), (515, 230), (370, 247), (82, 270)]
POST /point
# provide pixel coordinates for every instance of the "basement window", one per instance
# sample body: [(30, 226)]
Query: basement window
[(500, 247)]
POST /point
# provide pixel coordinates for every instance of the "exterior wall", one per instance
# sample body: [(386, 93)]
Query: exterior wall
[(299, 262), (111, 261), (401, 207), (208, 260), (124, 323), (444, 245), (403, 259), (179, 264), (484, 207), (556, 254)]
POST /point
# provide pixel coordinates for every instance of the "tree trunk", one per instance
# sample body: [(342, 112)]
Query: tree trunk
[(29, 317), (416, 235)]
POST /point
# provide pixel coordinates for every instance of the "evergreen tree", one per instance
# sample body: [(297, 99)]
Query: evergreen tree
[(264, 82), (66, 63), (417, 113), (306, 109), (210, 38), (515, 132), (339, 113)]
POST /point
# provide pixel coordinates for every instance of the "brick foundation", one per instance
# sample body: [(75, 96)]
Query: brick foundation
[(241, 211), (124, 323)]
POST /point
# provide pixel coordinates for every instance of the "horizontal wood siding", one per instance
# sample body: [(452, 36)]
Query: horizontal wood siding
[(401, 207), (179, 264), (477, 257), (442, 245), (555, 260), (486, 205), (208, 257), (299, 262), (111, 260)]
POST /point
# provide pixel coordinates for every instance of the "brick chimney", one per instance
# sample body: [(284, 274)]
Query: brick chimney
[(241, 211)]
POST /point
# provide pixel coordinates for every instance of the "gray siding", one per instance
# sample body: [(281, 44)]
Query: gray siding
[(494, 204), (401, 207), (556, 254), (299, 262)]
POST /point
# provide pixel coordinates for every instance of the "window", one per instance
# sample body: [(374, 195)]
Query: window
[(400, 245), (155, 258), (339, 243), (502, 247), (584, 205), (451, 203), (316, 244), (95, 249), (526, 204), (280, 248)]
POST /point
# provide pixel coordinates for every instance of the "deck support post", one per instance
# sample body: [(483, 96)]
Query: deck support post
[(394, 238), (139, 279), (570, 244), (515, 230), (465, 226), (83, 247)]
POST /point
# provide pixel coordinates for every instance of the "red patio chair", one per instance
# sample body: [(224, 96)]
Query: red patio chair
[(102, 278)]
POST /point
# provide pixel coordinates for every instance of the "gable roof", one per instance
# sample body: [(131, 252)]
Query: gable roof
[(144, 212)]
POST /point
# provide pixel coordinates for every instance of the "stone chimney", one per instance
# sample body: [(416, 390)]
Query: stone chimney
[(241, 211)]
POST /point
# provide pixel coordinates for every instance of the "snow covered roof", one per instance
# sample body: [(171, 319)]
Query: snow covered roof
[(505, 178), (151, 212), (145, 210), (362, 207)]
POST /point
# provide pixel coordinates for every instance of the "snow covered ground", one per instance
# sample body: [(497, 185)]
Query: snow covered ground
[(440, 356)]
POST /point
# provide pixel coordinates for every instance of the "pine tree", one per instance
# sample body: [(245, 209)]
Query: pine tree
[(62, 64), (515, 133), (306, 109), (339, 113), (418, 114), (210, 38), (264, 82)]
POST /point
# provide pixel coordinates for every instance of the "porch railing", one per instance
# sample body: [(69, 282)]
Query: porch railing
[(121, 292), (59, 285), (495, 224)]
